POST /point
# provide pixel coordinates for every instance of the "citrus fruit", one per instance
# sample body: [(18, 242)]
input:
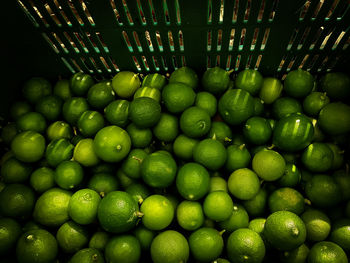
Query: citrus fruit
[(158, 212), (57, 151), (258, 106), (90, 122), (10, 232), (149, 92), (238, 157), (100, 94), (19, 108), (140, 137), (80, 83), (99, 240), (184, 75), (42, 179), (62, 89), (341, 233), (36, 88), (117, 112), (206, 101), (317, 157), (15, 171), (154, 80), (217, 184), (238, 219), (298, 83), (270, 90), (298, 255), (167, 128), (249, 80), (8, 132), (103, 183), (318, 225), (285, 230), (87, 255), (236, 106), (138, 191), (291, 176), (118, 212), (269, 165), (112, 144), (71, 237), (218, 206), (284, 106), (125, 83), (123, 248), (183, 147), (206, 244), (169, 247), (326, 252), (177, 97), (215, 80), (131, 166), (257, 225), (314, 102), (245, 245), (31, 121), (221, 132), (73, 108), (68, 174), (337, 85), (286, 199), (144, 112), (210, 153), (59, 130), (257, 130), (145, 236), (123, 180), (334, 118), (50, 107), (243, 184), (84, 153), (195, 122), (189, 215), (256, 205)]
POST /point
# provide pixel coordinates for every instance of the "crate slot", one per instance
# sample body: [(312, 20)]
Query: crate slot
[(331, 10), (254, 39), (164, 63), (141, 13), (292, 38), (75, 12), (86, 65), (183, 61), (105, 64), (232, 38), (291, 63), (219, 40), (208, 62), (249, 61), (303, 38), (166, 12), (102, 42), (68, 65), (35, 8), (316, 37), (116, 13), (171, 41), (94, 64), (181, 41), (76, 65), (317, 9), (228, 62), (155, 63), (71, 42), (58, 39), (273, 10), (333, 62), (235, 11), (218, 60), (174, 62), (153, 12), (210, 12), (313, 62), (91, 42), (242, 38), (258, 61), (127, 13), (265, 38), (209, 40), (326, 38), (247, 11), (137, 64), (283, 60), (145, 63), (343, 11), (178, 12), (238, 61), (222, 10), (52, 14), (127, 41), (87, 13), (304, 10), (159, 41), (51, 43), (112, 62), (302, 63), (347, 43), (261, 11), (28, 14), (323, 64), (137, 41), (149, 41), (63, 14)]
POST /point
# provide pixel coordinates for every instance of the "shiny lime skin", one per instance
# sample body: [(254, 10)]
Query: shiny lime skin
[(80, 83), (73, 108), (58, 150)]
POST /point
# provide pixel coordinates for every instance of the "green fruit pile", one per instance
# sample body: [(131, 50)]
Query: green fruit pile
[(222, 168)]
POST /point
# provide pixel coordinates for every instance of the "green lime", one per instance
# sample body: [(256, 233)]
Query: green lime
[(317, 157), (206, 101), (337, 85), (62, 89), (298, 255), (183, 147), (19, 108), (73, 108), (291, 176), (341, 233), (221, 132), (243, 184), (257, 225), (186, 76), (314, 102), (149, 92), (59, 130), (144, 112), (195, 122), (154, 80), (167, 128), (124, 180), (192, 181), (99, 240), (236, 106), (50, 107), (8, 132), (256, 205), (125, 83), (131, 166), (69, 174), (90, 122), (103, 183), (51, 208), (215, 80), (271, 90), (158, 170), (293, 132), (84, 153), (334, 118), (123, 248), (177, 97), (210, 153), (42, 179), (298, 83), (83, 206), (31, 121), (38, 246), (145, 237), (285, 230), (238, 157), (217, 184), (239, 219), (10, 232), (112, 144), (342, 178), (258, 107), (257, 130), (206, 244), (269, 165), (286, 199), (100, 94), (138, 191), (17, 201), (327, 252), (170, 247), (80, 83), (249, 80), (284, 106), (117, 112), (118, 212), (140, 137), (72, 237), (87, 255), (245, 245), (189, 215), (57, 151), (36, 88), (318, 225), (218, 206), (15, 171)]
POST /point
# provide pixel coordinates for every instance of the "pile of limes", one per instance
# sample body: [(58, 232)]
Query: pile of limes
[(222, 168)]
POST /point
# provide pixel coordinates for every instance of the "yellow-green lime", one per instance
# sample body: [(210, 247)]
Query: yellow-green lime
[(326, 252), (167, 128), (103, 183), (257, 225), (15, 171), (341, 233), (217, 184), (154, 80), (57, 151), (84, 153), (239, 219), (271, 90), (317, 157), (131, 165), (71, 237), (144, 112), (206, 101), (183, 147), (218, 206), (318, 225), (286, 199), (250, 80), (210, 153), (69, 174), (189, 215), (149, 92), (138, 191), (59, 130), (89, 255), (99, 240), (243, 184), (117, 112), (90, 122), (140, 137), (42, 179), (31, 121), (123, 248), (269, 165), (125, 83), (177, 97), (195, 122), (238, 157)]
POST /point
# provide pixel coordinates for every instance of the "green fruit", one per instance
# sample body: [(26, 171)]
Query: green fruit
[(298, 83), (249, 80), (84, 153), (186, 76), (90, 122), (15, 171), (177, 97), (69, 174), (206, 101), (31, 121), (317, 157), (218, 206), (334, 118), (62, 89), (117, 112), (238, 157), (100, 94), (50, 107), (80, 83), (59, 130), (36, 88), (42, 179), (71, 237), (73, 108), (327, 252), (19, 108), (269, 165), (286, 199), (243, 184), (10, 232), (215, 80), (88, 255), (125, 83), (337, 85), (210, 153), (257, 130), (238, 219), (314, 102), (284, 106), (189, 215), (317, 223), (28, 146), (57, 151), (155, 80), (271, 90), (195, 122), (144, 112), (103, 183)]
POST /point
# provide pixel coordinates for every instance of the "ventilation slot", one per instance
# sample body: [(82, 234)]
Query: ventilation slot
[(171, 41), (145, 63), (127, 41), (116, 13), (238, 61), (325, 40), (137, 41), (331, 10), (51, 43), (273, 10), (38, 13), (261, 11), (209, 39), (247, 11), (71, 42), (304, 10), (265, 38), (303, 38), (242, 38), (127, 13), (141, 13), (258, 61), (221, 15), (303, 62), (75, 12), (149, 41), (235, 11), (232, 38), (52, 14), (68, 65), (137, 64), (58, 39), (337, 41), (166, 12), (228, 62), (219, 40), (178, 13), (210, 12), (153, 12), (28, 14), (255, 37), (155, 63), (159, 41), (317, 9), (63, 14), (181, 41), (105, 64), (316, 37)]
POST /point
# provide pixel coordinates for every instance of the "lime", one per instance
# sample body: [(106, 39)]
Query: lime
[(256, 205), (210, 153), (19, 108), (341, 233), (125, 83), (286, 199), (158, 212), (59, 130), (100, 94), (284, 106), (221, 132), (183, 147), (257, 130), (57, 151), (334, 118), (318, 225), (236, 106), (243, 184), (317, 157), (112, 144), (145, 237), (140, 137), (144, 112), (218, 206), (138, 191), (186, 76), (342, 178), (42, 179), (73, 108), (217, 184), (8, 132), (84, 153), (123, 248), (238, 157), (167, 128), (131, 166), (51, 208), (36, 88), (31, 121), (337, 85), (158, 170), (103, 183), (298, 255), (177, 97), (15, 171), (99, 240), (62, 89), (80, 83), (298, 83), (270, 90), (124, 180), (117, 112), (17, 201), (258, 107), (69, 174), (192, 181), (90, 122), (189, 215), (327, 252), (50, 107), (291, 176), (215, 80), (257, 225), (249, 80), (269, 165), (238, 219), (170, 247), (10, 232), (245, 245), (72, 237), (195, 122), (149, 92), (206, 101), (88, 255), (314, 102), (206, 244), (154, 80), (285, 230), (36, 246)]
